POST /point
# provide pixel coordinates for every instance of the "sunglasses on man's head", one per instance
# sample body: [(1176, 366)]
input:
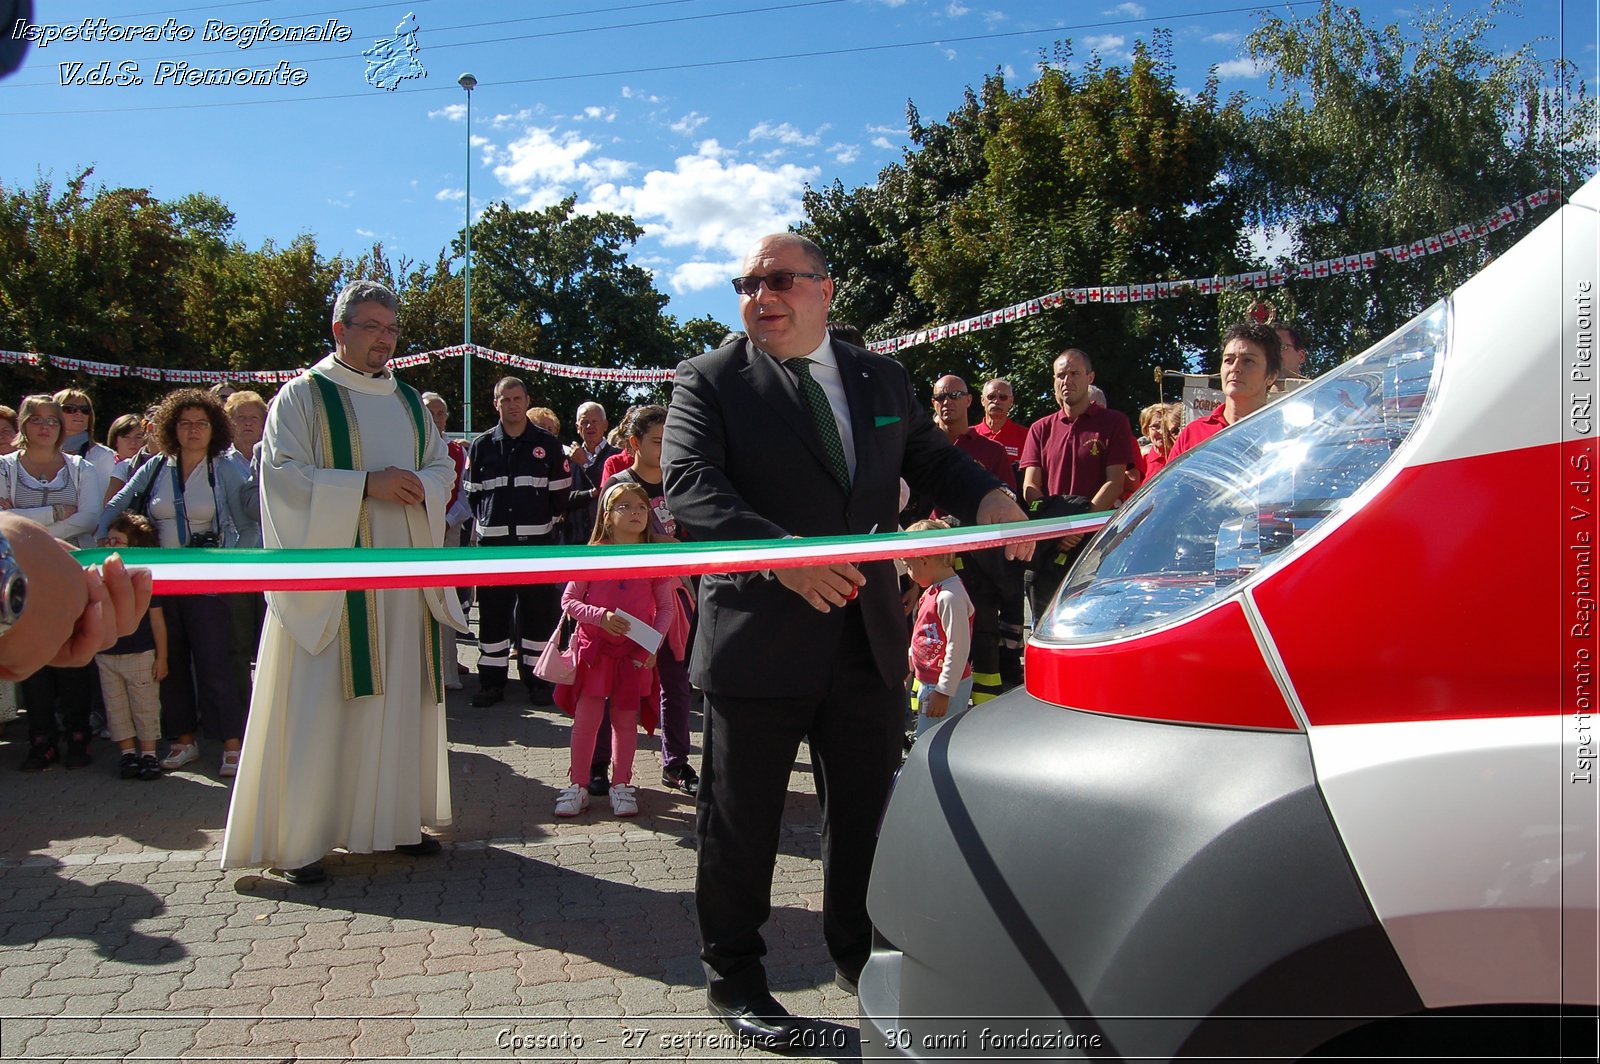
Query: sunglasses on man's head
[(776, 281)]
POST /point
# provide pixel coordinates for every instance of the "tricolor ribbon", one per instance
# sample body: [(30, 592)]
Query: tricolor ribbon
[(202, 571)]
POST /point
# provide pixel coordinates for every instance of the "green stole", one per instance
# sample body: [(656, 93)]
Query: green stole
[(360, 657)]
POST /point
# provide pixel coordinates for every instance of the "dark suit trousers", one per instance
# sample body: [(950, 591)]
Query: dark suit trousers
[(855, 732)]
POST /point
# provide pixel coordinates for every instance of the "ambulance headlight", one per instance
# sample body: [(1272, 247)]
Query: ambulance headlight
[(1246, 499)]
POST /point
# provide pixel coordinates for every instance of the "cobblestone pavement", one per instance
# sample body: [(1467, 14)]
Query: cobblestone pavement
[(527, 938)]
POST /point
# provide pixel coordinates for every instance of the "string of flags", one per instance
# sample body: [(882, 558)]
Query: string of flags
[(280, 376), (1318, 269)]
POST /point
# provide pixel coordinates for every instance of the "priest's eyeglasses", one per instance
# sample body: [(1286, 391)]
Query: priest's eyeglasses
[(776, 281), (372, 329)]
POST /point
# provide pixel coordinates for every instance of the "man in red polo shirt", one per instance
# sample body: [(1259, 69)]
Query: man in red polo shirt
[(998, 396), (1252, 358), (1082, 449), (982, 571)]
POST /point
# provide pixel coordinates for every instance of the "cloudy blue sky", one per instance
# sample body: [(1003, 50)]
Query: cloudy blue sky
[(704, 119)]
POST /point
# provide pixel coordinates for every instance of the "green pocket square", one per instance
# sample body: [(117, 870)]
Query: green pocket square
[(879, 422)]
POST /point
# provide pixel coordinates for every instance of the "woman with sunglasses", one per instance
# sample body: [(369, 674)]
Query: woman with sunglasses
[(59, 491), (196, 499), (77, 423)]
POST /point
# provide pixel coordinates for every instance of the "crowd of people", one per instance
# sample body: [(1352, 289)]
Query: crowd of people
[(790, 428)]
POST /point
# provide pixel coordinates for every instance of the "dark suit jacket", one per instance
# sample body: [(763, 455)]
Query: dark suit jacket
[(744, 461)]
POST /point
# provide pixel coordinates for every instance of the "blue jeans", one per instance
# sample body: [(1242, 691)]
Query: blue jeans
[(958, 704)]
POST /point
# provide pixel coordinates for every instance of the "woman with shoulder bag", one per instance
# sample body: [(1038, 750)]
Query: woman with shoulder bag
[(196, 499), (59, 491)]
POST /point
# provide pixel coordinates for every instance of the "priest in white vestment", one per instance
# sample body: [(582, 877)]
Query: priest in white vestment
[(345, 746)]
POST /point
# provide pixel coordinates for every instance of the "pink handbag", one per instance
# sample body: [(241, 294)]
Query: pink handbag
[(558, 662)]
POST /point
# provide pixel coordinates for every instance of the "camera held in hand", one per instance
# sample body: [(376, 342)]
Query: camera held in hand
[(207, 538)]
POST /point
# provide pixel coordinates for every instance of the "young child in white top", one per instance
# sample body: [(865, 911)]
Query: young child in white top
[(941, 637)]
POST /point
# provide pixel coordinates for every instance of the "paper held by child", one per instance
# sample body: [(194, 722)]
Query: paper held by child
[(640, 632)]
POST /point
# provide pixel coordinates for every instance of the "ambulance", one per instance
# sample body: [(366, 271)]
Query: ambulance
[(1305, 761)]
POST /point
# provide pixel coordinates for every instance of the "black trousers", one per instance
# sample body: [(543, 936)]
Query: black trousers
[(1012, 596), (514, 622), (54, 690), (855, 732), (980, 572), (200, 668)]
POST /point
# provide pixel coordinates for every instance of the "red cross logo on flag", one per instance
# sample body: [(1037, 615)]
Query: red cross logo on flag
[(1322, 269), (1433, 245)]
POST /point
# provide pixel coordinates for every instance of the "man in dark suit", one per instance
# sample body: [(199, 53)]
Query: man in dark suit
[(788, 433)]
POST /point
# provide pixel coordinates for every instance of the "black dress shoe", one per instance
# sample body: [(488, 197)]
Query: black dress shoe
[(426, 848), (305, 875), (844, 982), (761, 1022), (599, 785), (488, 696)]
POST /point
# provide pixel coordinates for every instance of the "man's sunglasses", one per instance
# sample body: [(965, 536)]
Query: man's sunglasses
[(776, 281)]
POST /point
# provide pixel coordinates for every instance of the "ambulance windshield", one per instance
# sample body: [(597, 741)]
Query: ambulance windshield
[(1243, 500)]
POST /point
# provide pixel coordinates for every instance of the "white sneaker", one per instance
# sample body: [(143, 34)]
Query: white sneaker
[(179, 755), (572, 801), (230, 763), (623, 802)]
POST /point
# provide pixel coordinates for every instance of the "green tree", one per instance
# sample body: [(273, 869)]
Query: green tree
[(1104, 177), (1385, 135), (557, 286), (90, 276)]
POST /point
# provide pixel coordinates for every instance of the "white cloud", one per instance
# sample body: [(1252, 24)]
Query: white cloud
[(1221, 38), (711, 204), (883, 143), (1009, 72), (450, 195), (600, 113), (455, 112), (712, 150), (698, 276), (690, 122), (949, 53), (845, 154), (1109, 45), (955, 9), (368, 233), (629, 93), (1127, 11), (541, 166), (517, 118), (477, 140), (784, 133), (1240, 68), (897, 130)]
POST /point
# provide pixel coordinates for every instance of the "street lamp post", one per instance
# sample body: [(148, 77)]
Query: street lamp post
[(469, 83)]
